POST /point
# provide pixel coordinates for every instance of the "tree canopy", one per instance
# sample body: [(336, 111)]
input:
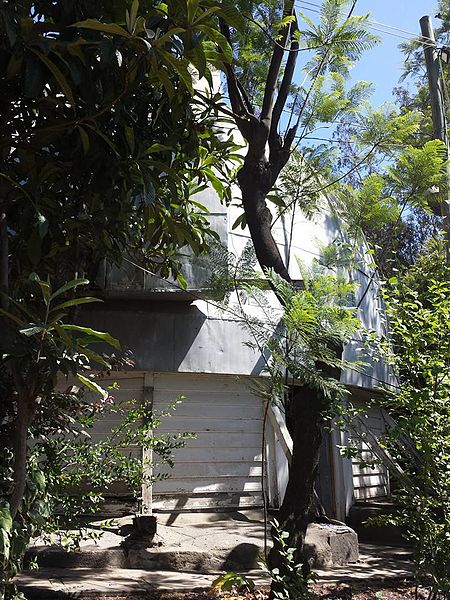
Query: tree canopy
[(103, 140)]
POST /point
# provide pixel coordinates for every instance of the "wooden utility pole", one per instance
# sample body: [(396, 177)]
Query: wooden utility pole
[(438, 113)]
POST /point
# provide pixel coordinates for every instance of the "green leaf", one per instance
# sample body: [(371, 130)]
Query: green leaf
[(168, 36), (231, 15), (129, 136), (69, 286), (164, 78), (30, 331), (197, 57), (134, 12), (180, 66), (75, 302), (182, 281), (84, 136), (104, 137), (23, 309), (5, 545), (207, 14), (57, 74), (192, 8), (14, 318), (95, 357), (45, 290), (219, 39), (240, 221), (93, 386), (39, 480), (95, 25), (99, 335), (5, 519), (157, 148)]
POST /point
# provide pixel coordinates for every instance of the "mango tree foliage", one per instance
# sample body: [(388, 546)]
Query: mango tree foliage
[(103, 144), (103, 141)]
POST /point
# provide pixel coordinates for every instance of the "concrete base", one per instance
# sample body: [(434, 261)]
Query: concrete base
[(377, 563), (199, 542)]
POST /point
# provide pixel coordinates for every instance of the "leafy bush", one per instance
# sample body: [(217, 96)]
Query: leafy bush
[(420, 441), (50, 471)]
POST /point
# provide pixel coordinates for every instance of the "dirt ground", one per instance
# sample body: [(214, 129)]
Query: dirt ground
[(376, 591)]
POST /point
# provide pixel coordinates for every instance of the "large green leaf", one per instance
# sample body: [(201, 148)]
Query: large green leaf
[(98, 335), (75, 302), (57, 74), (33, 330), (168, 36), (5, 544), (180, 66), (69, 286), (95, 25), (93, 386), (215, 36), (5, 519)]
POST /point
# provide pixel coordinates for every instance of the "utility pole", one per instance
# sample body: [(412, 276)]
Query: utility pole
[(438, 114)]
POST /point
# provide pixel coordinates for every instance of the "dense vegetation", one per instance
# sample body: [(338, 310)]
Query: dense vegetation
[(105, 141)]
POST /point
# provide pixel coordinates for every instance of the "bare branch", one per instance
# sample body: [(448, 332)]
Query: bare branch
[(284, 87), (240, 103), (274, 68)]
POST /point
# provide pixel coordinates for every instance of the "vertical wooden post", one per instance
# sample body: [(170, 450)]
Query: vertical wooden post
[(342, 476), (438, 112), (271, 460), (147, 453)]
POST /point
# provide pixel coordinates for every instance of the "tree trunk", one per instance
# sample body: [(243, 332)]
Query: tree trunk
[(255, 180), (24, 418), (305, 417)]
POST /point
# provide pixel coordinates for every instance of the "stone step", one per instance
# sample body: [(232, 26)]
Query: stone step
[(199, 547), (360, 512)]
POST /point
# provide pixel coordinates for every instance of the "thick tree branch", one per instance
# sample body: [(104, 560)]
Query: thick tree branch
[(284, 89), (240, 103), (274, 68)]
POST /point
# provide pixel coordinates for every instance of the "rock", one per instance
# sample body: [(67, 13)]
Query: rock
[(327, 545)]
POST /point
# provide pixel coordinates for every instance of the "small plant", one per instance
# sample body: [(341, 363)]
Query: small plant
[(291, 582), (233, 582)]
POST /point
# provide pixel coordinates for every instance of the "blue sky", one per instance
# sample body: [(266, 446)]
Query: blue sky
[(383, 65)]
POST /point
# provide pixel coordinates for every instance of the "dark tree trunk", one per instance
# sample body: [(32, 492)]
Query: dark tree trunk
[(305, 417), (23, 422), (26, 408), (255, 180)]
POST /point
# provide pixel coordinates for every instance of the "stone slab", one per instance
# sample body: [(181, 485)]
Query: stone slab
[(375, 562)]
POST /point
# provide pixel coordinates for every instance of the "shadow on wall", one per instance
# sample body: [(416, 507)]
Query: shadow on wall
[(159, 334)]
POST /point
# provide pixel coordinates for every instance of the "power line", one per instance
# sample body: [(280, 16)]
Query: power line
[(372, 21), (380, 27)]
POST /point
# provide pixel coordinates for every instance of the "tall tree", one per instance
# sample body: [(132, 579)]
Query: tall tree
[(335, 42)]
